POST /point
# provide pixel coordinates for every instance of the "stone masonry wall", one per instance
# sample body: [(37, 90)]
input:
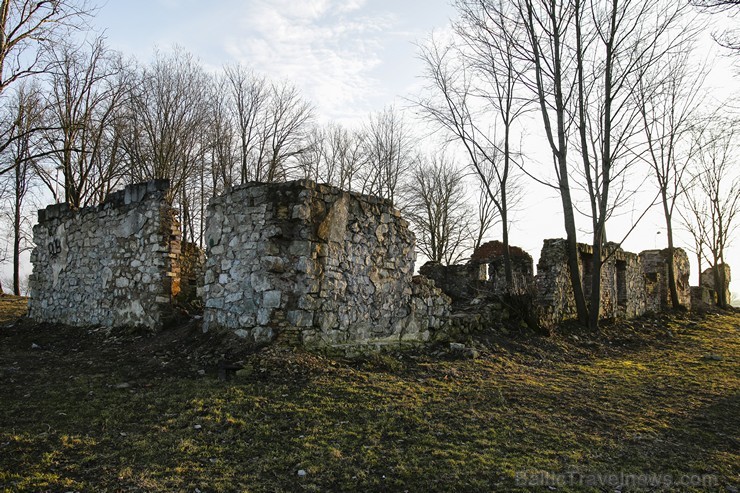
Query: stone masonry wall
[(707, 281), (623, 288), (483, 275), (112, 265), (314, 265), (555, 300), (655, 267)]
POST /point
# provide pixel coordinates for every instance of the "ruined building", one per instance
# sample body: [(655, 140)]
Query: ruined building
[(308, 264), (112, 265), (631, 284), (483, 274), (707, 283), (314, 265)]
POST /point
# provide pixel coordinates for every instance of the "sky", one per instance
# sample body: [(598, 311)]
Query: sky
[(349, 58)]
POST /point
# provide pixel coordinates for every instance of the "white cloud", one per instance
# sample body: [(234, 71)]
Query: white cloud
[(326, 47)]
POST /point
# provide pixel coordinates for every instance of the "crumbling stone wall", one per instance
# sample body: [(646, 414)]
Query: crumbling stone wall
[(555, 301), (314, 265), (522, 268), (112, 265), (461, 282), (655, 268), (483, 275), (706, 281), (623, 288)]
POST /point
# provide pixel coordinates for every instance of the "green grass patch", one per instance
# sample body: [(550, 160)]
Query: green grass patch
[(639, 407)]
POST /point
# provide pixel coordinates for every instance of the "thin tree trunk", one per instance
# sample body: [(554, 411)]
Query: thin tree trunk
[(17, 248), (719, 283), (575, 275), (672, 287), (505, 213), (595, 306)]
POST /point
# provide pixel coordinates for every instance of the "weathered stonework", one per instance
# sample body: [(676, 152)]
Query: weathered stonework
[(522, 268), (483, 275), (702, 298), (707, 282), (655, 268), (623, 289), (314, 265), (112, 265)]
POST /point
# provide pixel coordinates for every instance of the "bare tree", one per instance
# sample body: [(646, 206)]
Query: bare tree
[(729, 39), (26, 109), (493, 32), (88, 85), (616, 44), (224, 148), (166, 121), (668, 98), (166, 113), (712, 201), (288, 122), (435, 203), (589, 59), (389, 153), (455, 107), (311, 162), (25, 25), (549, 24), (249, 95), (487, 214), (333, 155)]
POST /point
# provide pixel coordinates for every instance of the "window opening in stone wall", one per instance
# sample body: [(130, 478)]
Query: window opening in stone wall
[(587, 260), (483, 272), (621, 282)]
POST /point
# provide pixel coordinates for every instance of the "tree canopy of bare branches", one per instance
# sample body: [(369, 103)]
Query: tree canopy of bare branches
[(435, 202), (88, 85), (712, 200)]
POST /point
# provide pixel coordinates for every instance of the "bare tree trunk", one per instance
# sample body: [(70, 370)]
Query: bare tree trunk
[(671, 267), (570, 230), (17, 234), (505, 211)]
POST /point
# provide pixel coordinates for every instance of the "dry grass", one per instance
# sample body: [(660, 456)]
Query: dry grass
[(638, 407)]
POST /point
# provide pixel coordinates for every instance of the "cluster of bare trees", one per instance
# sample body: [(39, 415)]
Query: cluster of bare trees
[(613, 86), (617, 99), (80, 120)]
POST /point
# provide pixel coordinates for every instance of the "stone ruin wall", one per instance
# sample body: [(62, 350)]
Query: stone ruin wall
[(631, 285), (314, 265), (483, 275), (306, 264), (655, 267), (623, 290), (555, 299), (706, 283), (112, 265)]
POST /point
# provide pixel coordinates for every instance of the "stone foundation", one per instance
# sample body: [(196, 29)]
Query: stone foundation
[(112, 265), (314, 265)]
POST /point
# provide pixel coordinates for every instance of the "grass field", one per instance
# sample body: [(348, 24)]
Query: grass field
[(649, 405)]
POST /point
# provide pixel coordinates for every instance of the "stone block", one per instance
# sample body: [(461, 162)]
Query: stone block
[(271, 299)]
